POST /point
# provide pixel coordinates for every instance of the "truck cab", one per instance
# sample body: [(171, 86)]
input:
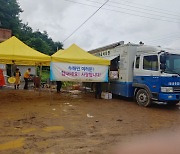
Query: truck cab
[(156, 76)]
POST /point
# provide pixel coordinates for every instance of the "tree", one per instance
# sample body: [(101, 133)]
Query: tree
[(9, 15), (39, 44), (9, 18)]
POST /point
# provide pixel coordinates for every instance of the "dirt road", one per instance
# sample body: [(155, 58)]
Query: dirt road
[(74, 124)]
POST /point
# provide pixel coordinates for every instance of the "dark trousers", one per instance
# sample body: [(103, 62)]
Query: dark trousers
[(98, 90), (16, 86), (26, 83), (59, 85)]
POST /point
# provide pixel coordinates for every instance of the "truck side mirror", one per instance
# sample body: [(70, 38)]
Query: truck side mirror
[(163, 66)]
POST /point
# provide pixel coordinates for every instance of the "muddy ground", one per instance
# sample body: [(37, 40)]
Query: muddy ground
[(78, 123)]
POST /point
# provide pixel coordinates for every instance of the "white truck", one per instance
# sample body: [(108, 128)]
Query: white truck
[(147, 73)]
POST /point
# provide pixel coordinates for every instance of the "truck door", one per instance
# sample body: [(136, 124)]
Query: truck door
[(146, 71)]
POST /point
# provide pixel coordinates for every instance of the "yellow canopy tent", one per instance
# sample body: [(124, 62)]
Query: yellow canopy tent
[(14, 51), (75, 54), (75, 64)]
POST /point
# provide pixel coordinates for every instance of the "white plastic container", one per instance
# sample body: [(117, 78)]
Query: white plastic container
[(106, 95)]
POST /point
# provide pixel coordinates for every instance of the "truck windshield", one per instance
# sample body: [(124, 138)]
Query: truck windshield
[(172, 64)]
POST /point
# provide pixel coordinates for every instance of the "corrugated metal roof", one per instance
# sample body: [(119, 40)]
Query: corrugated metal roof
[(111, 46)]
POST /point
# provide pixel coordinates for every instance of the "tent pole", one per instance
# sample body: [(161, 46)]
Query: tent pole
[(50, 88), (108, 81), (35, 77), (40, 75)]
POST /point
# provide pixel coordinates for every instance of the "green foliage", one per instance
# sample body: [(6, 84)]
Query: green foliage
[(67, 84), (45, 75), (9, 18), (39, 45), (9, 15)]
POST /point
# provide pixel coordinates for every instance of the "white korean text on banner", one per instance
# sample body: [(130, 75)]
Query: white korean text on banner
[(78, 72)]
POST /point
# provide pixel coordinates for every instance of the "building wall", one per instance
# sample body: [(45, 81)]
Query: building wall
[(5, 34)]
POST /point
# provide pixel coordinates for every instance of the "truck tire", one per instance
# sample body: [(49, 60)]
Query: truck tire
[(143, 98)]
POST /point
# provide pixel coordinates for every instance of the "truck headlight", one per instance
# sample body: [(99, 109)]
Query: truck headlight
[(167, 89)]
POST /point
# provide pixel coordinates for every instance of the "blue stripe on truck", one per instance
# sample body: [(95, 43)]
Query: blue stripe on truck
[(122, 88)]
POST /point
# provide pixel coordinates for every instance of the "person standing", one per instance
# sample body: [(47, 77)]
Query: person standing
[(98, 90), (17, 76), (26, 78), (2, 80), (59, 85)]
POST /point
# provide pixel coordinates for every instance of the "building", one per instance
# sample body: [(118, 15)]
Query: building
[(5, 34), (106, 50)]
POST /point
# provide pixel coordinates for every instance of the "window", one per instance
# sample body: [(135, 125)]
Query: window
[(150, 63), (172, 64), (115, 64), (177, 64), (137, 61)]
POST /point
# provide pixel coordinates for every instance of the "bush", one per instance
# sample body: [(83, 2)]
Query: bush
[(45, 75)]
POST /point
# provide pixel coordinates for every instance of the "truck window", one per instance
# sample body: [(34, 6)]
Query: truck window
[(115, 64), (177, 64), (150, 63), (137, 61)]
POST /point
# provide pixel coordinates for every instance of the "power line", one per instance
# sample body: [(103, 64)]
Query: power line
[(168, 14), (160, 43), (163, 41), (171, 16), (125, 12), (148, 6), (164, 37), (86, 20), (135, 10)]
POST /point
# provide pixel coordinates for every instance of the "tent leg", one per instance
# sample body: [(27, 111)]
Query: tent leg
[(40, 75), (108, 83), (50, 91), (35, 81)]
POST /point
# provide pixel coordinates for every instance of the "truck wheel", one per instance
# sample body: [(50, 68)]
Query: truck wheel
[(143, 98)]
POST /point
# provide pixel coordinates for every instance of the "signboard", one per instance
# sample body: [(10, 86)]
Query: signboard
[(78, 72), (114, 75)]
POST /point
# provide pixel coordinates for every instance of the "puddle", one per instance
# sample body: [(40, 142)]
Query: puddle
[(53, 128), (28, 130), (12, 144)]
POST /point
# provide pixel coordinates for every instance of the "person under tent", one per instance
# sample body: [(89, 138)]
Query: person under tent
[(59, 85), (17, 75), (98, 90), (2, 80), (26, 78)]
